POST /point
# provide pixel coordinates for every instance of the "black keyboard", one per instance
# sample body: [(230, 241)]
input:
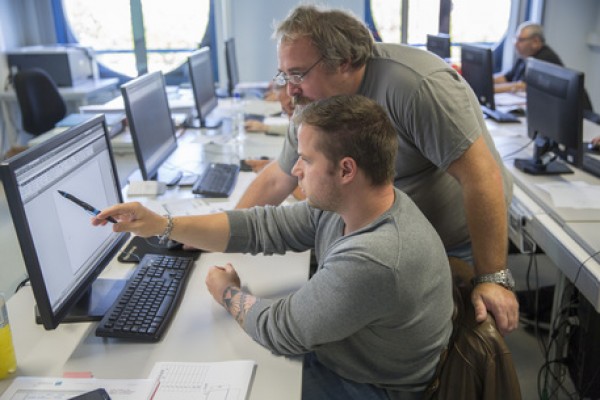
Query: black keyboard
[(218, 180), (499, 116), (148, 302)]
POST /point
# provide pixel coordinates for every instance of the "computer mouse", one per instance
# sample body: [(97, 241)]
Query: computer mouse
[(517, 111), (173, 245), (594, 147), (244, 166)]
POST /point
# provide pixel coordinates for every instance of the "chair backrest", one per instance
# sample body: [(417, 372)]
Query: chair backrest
[(477, 364), (41, 104)]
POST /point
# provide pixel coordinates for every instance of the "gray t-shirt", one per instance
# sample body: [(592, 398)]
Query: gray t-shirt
[(437, 117), (378, 310)]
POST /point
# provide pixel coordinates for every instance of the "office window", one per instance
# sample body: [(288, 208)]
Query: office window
[(469, 20), (168, 31)]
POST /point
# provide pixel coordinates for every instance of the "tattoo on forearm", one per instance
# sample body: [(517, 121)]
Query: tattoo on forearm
[(238, 303)]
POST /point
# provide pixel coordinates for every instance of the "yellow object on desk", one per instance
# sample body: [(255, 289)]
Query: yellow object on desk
[(8, 361)]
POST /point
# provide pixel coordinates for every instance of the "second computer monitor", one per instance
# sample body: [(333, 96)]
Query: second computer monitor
[(554, 117), (477, 69), (439, 44), (150, 123), (203, 83)]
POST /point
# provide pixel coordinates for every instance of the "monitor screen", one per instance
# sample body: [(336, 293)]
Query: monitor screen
[(149, 118), (233, 75), (439, 44), (203, 83), (63, 252), (554, 117), (477, 69)]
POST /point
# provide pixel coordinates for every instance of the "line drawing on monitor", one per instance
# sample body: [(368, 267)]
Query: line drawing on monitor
[(63, 252), (150, 124), (203, 87), (477, 70), (439, 44), (555, 102)]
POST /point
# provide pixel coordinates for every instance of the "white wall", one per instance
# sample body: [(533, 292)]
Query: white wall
[(567, 25)]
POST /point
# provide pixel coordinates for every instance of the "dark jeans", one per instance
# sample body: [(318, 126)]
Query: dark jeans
[(321, 383)]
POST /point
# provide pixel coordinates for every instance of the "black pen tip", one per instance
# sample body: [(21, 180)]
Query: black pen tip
[(61, 192)]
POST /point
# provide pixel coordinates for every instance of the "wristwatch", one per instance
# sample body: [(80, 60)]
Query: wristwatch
[(503, 278)]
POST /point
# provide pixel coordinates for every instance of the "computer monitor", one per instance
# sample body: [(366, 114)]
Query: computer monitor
[(554, 118), (63, 252), (439, 44), (203, 86), (477, 69), (150, 123), (233, 75)]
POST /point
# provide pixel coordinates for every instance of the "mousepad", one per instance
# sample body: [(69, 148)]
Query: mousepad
[(139, 246)]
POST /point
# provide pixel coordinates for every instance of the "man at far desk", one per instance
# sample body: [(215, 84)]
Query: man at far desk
[(529, 42), (374, 318)]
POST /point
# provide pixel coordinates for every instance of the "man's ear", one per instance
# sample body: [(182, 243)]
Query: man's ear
[(345, 67), (348, 168)]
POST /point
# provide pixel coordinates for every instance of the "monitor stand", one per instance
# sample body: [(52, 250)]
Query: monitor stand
[(94, 303), (530, 166)]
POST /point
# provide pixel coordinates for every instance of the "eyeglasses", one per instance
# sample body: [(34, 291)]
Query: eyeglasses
[(281, 79), (522, 39)]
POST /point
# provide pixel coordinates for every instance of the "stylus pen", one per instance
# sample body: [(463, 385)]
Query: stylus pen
[(84, 205)]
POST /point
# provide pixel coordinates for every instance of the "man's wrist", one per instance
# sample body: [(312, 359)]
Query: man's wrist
[(503, 278), (166, 233)]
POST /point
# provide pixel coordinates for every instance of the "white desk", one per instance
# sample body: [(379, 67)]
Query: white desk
[(201, 331), (568, 236), (74, 96)]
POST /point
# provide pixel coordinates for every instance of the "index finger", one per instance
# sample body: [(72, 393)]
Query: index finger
[(118, 212)]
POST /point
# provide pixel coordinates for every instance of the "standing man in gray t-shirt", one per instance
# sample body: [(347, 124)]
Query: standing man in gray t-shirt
[(446, 163)]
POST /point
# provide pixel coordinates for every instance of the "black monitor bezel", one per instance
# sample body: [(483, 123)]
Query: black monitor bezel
[(551, 119), (203, 109), (479, 76), (439, 41), (48, 317), (148, 172), (233, 75)]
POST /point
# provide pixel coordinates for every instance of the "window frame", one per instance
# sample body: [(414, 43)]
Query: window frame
[(529, 6), (65, 35)]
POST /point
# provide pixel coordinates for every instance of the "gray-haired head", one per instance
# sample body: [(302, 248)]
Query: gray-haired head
[(531, 30), (337, 35)]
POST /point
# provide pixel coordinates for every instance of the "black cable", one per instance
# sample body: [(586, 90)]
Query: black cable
[(560, 322), (506, 156), (22, 284), (582, 264)]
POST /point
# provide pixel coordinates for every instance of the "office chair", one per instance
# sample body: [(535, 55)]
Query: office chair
[(41, 104), (477, 364)]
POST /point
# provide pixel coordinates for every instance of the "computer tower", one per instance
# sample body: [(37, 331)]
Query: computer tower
[(584, 352)]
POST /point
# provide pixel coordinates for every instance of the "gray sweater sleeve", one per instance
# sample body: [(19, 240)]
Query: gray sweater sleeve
[(272, 230)]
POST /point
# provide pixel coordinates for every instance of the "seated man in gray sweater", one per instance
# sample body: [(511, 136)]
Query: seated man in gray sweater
[(375, 317)]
